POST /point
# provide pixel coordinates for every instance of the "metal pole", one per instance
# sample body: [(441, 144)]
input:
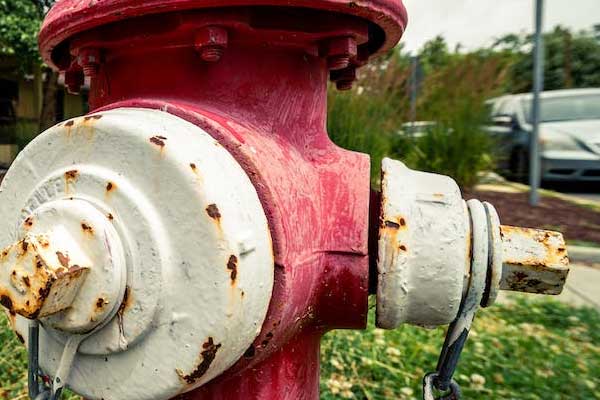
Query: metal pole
[(413, 92), (538, 86)]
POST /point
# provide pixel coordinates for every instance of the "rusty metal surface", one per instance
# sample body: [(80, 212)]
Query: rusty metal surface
[(38, 279), (534, 260), (70, 17)]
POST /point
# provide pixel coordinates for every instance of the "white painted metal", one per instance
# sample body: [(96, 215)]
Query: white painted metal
[(495, 255), (478, 270), (435, 253), (88, 228), (424, 245), (186, 217), (534, 260)]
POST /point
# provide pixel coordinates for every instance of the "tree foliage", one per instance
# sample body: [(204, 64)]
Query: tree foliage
[(572, 60), (20, 22)]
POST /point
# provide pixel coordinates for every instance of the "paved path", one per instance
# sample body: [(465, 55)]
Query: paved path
[(587, 196), (582, 288)]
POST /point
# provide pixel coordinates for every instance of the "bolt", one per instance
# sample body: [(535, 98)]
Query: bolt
[(211, 42), (340, 51), (54, 283), (344, 78), (533, 260), (89, 60), (74, 80)]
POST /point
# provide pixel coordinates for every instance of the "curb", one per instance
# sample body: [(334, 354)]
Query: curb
[(584, 254)]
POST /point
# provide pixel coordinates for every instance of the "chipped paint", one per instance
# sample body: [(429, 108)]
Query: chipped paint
[(534, 260), (208, 354), (158, 140), (422, 248), (213, 211), (232, 266), (36, 281)]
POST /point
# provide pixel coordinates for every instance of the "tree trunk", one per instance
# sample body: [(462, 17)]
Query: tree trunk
[(48, 114)]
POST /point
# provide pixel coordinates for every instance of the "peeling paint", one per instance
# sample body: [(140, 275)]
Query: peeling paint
[(208, 354)]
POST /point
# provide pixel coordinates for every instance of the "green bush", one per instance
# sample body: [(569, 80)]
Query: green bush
[(370, 117)]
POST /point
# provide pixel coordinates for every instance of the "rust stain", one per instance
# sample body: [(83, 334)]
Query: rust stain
[(87, 229), (232, 266), (28, 222), (208, 354), (100, 303), (69, 123), (91, 117), (193, 167), (63, 259), (71, 175), (110, 187), (402, 247), (24, 245), (127, 300), (158, 140), (110, 216), (20, 337), (213, 211), (125, 304), (26, 281), (6, 301)]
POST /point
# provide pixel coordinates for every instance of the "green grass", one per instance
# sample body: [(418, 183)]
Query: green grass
[(528, 349)]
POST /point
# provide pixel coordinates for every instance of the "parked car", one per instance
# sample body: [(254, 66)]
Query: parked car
[(417, 129), (569, 134)]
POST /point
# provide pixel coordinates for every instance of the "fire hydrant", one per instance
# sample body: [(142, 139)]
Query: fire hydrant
[(197, 233)]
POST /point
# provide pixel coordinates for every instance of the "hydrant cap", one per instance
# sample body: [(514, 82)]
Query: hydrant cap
[(70, 17)]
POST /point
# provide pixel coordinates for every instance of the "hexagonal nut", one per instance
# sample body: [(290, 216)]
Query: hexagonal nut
[(211, 36), (37, 279), (533, 261)]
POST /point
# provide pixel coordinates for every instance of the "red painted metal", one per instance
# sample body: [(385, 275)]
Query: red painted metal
[(70, 17), (264, 99)]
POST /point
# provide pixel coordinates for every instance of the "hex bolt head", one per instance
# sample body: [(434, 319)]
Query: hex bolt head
[(533, 261), (340, 52), (344, 78), (89, 60), (211, 42)]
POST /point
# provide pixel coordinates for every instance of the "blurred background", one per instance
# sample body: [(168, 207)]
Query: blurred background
[(452, 98)]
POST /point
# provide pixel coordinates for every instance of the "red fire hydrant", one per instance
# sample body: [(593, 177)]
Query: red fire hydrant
[(199, 232)]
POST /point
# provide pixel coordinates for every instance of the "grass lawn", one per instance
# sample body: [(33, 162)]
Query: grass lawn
[(528, 349)]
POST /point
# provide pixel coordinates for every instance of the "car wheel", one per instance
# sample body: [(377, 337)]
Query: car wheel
[(519, 165)]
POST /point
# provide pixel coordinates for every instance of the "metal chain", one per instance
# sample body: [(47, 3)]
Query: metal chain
[(38, 389)]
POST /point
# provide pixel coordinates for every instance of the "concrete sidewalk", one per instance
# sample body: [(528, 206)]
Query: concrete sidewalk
[(583, 287)]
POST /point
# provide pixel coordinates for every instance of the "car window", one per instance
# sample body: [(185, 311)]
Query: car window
[(565, 108)]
